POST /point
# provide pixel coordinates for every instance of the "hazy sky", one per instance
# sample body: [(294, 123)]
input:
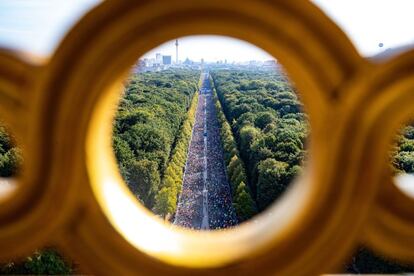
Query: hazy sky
[(211, 48), (370, 22), (38, 25)]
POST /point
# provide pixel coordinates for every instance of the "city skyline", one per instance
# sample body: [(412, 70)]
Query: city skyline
[(39, 25), (210, 48)]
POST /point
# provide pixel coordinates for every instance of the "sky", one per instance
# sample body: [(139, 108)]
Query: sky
[(371, 22), (39, 25), (211, 48)]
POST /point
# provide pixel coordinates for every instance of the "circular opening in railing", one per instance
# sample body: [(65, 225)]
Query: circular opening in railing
[(402, 155), (211, 140), (10, 162), (209, 132)]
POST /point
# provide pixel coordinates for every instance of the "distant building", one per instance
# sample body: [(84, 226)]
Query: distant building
[(176, 51), (166, 60), (270, 62), (139, 66), (158, 58), (188, 61), (255, 63), (151, 62)]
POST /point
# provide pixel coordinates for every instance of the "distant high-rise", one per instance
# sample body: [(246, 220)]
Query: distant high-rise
[(158, 58), (176, 51), (166, 60)]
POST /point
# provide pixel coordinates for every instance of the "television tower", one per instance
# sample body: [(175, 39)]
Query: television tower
[(176, 51)]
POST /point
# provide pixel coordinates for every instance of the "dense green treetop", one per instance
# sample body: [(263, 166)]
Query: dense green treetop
[(268, 123), (10, 155), (148, 124)]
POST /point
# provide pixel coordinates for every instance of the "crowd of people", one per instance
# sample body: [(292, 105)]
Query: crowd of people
[(190, 206), (221, 211), (190, 203)]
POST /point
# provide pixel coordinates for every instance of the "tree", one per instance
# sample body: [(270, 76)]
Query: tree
[(147, 138), (123, 152), (233, 164), (240, 109), (409, 132), (271, 181), (264, 118), (244, 203), (404, 161), (10, 162), (270, 128), (288, 152), (165, 201), (248, 135), (45, 262), (144, 180), (246, 119), (5, 170), (407, 145), (127, 119), (293, 172), (238, 176), (5, 140)]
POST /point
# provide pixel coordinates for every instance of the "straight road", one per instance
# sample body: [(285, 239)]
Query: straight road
[(205, 201)]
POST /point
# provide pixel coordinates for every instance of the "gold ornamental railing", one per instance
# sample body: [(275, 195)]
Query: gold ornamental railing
[(71, 194)]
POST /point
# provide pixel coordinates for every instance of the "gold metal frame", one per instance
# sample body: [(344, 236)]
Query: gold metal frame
[(71, 194)]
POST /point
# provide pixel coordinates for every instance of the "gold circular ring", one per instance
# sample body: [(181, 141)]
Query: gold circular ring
[(77, 97), (385, 95), (25, 215)]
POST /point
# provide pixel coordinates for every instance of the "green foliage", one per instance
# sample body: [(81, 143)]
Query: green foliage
[(403, 153), (166, 202), (145, 138), (267, 124), (5, 140), (367, 262), (272, 181), (409, 132), (248, 135), (151, 132), (243, 202), (263, 119), (144, 179), (404, 161), (10, 156), (270, 131), (407, 145), (45, 262)]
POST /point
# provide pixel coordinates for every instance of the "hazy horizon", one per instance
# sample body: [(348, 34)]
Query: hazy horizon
[(39, 25), (211, 48)]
